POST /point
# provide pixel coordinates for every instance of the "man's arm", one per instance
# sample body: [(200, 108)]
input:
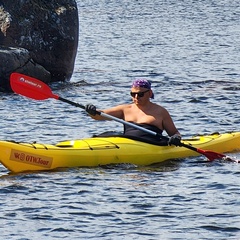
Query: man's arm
[(114, 111)]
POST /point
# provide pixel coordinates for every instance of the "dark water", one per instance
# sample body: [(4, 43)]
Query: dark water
[(190, 50)]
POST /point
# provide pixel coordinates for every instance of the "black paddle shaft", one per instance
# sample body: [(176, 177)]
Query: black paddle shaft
[(124, 122), (72, 103), (136, 126)]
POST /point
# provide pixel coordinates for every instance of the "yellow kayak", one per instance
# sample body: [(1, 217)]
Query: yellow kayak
[(97, 151)]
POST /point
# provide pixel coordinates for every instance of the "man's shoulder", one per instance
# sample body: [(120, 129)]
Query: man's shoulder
[(126, 105), (157, 105), (122, 107), (159, 108)]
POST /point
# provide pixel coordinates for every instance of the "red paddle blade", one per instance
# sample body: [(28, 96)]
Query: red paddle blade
[(211, 155), (30, 87)]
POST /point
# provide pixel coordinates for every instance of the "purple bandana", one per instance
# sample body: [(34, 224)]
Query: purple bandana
[(142, 83)]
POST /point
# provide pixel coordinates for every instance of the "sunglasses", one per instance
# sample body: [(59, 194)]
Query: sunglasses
[(139, 94)]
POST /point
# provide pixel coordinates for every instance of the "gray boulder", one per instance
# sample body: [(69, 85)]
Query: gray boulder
[(38, 38)]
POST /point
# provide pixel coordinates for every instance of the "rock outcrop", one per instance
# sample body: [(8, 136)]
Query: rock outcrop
[(38, 38)]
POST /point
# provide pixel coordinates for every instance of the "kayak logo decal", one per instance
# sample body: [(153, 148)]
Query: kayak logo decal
[(32, 159)]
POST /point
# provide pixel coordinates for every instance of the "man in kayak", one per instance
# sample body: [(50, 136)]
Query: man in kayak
[(143, 113)]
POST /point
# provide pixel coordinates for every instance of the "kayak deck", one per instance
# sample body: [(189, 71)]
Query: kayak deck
[(97, 151)]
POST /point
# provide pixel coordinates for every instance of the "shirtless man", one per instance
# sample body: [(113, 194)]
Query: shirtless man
[(142, 112)]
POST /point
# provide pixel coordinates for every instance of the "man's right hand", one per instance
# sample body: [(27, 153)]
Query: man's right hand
[(91, 109)]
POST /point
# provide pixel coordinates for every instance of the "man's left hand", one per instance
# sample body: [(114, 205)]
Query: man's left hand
[(175, 140)]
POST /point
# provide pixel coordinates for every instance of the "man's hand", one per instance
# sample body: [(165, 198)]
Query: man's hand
[(175, 140), (91, 109)]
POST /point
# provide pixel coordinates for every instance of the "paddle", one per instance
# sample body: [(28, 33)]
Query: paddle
[(36, 89)]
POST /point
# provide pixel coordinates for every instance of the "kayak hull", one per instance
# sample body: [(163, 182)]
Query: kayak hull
[(93, 152)]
